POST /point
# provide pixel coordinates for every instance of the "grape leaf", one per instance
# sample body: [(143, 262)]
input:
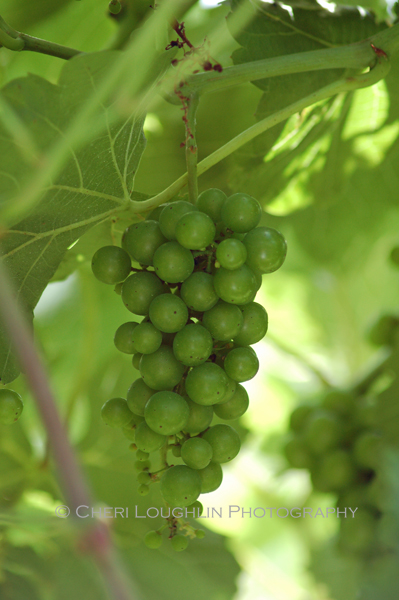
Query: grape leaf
[(92, 185)]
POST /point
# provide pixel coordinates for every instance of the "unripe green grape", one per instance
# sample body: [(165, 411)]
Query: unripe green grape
[(230, 391), (199, 418), (211, 477), (146, 338), (299, 417), (235, 407), (170, 216), (142, 456), (111, 264), (231, 254), (241, 213), (147, 440), (195, 230), (153, 539), (142, 239), (156, 213), (199, 534), (11, 406), (266, 249), (334, 472), (138, 395), (142, 465), (254, 326), (211, 202), (129, 431), (118, 288), (143, 490), (139, 290), (123, 338), (116, 413), (144, 477), (179, 542), (173, 263), (136, 360), (235, 287), (206, 384), (223, 321), (225, 442), (241, 364), (176, 451), (297, 454), (196, 507), (196, 453), (168, 313), (192, 345), (198, 292), (166, 413), (367, 450), (322, 432), (160, 370), (114, 7), (180, 486)]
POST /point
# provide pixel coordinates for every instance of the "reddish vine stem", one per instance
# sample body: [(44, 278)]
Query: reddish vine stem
[(95, 540)]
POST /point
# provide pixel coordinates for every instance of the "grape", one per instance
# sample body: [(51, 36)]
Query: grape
[(196, 453), (147, 440), (140, 455), (211, 477), (211, 202), (196, 507), (171, 214), (195, 230), (206, 384), (143, 490), (334, 472), (168, 313), (180, 486), (200, 417), (173, 263), (142, 239), (241, 364), (179, 542), (322, 432), (139, 290), (225, 442), (231, 254), (299, 417), (192, 345), (11, 406), (160, 370), (297, 454), (146, 338), (144, 477), (111, 264), (198, 292), (266, 249), (142, 465), (129, 431), (118, 288), (136, 360), (235, 287), (176, 451), (199, 534), (156, 213), (235, 407), (339, 402), (153, 539), (123, 338), (254, 327), (230, 390), (114, 7), (166, 413), (367, 450), (241, 213), (137, 396), (116, 413), (223, 321)]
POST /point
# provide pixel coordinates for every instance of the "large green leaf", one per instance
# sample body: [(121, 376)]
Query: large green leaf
[(93, 184)]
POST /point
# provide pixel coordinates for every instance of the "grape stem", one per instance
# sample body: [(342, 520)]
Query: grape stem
[(191, 147), (95, 539)]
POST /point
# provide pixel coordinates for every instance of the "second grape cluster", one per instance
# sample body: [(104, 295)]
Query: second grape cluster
[(200, 267)]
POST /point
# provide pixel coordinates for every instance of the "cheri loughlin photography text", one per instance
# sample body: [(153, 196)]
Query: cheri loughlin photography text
[(109, 512), (199, 283)]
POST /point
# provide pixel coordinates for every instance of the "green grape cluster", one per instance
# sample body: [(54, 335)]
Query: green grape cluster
[(11, 406), (200, 269), (337, 442)]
